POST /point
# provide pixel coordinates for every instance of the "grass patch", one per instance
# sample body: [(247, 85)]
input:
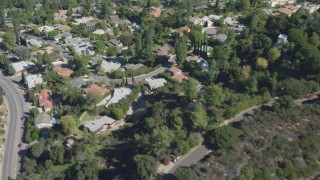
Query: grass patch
[(87, 117), (61, 168)]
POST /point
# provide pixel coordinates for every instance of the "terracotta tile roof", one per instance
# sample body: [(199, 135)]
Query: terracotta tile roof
[(175, 70), (155, 11), (180, 77), (45, 99), (114, 18), (64, 28), (163, 50), (97, 90), (64, 72), (288, 10)]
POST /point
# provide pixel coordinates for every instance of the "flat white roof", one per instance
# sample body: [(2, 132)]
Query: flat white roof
[(118, 94), (94, 125)]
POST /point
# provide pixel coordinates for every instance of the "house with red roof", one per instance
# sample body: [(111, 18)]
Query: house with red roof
[(288, 10), (96, 90), (45, 100), (177, 74)]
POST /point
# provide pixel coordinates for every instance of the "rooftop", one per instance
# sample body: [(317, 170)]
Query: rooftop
[(95, 125), (96, 90), (118, 94), (64, 72), (43, 119), (45, 99), (33, 79)]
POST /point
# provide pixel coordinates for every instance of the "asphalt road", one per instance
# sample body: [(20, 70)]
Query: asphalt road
[(16, 105), (194, 156)]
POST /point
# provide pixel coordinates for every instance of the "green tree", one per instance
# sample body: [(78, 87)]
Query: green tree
[(2, 19), (68, 124), (1, 95), (181, 49), (37, 149), (185, 174), (214, 95), (146, 166), (224, 137), (53, 33), (199, 118), (191, 89), (245, 5), (274, 54), (261, 63), (9, 40)]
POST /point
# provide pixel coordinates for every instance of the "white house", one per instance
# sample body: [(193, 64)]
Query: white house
[(43, 121), (46, 28), (33, 79), (118, 94), (20, 66), (274, 3), (282, 39), (311, 8), (100, 124), (155, 83)]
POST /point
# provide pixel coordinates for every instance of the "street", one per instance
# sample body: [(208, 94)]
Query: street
[(16, 107)]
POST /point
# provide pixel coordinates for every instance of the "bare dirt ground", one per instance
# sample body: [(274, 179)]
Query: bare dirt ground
[(3, 125)]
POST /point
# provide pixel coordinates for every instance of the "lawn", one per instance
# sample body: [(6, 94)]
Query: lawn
[(87, 117)]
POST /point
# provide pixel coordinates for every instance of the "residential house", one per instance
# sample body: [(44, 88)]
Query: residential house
[(211, 32), (215, 18), (202, 64), (118, 94), (83, 20), (201, 21), (274, 3), (220, 37), (62, 35), (311, 8), (64, 72), (133, 66), (20, 66), (46, 29), (114, 18), (177, 74), (96, 90), (45, 100), (29, 26), (116, 43), (63, 28), (77, 10), (107, 64), (155, 83), (229, 21), (61, 15), (31, 41), (288, 10), (43, 121), (181, 31), (69, 143), (33, 79), (57, 59), (78, 82), (99, 125), (155, 11), (81, 46), (99, 32), (164, 50), (282, 39)]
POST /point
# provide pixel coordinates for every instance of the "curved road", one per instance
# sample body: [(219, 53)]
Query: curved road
[(15, 103)]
